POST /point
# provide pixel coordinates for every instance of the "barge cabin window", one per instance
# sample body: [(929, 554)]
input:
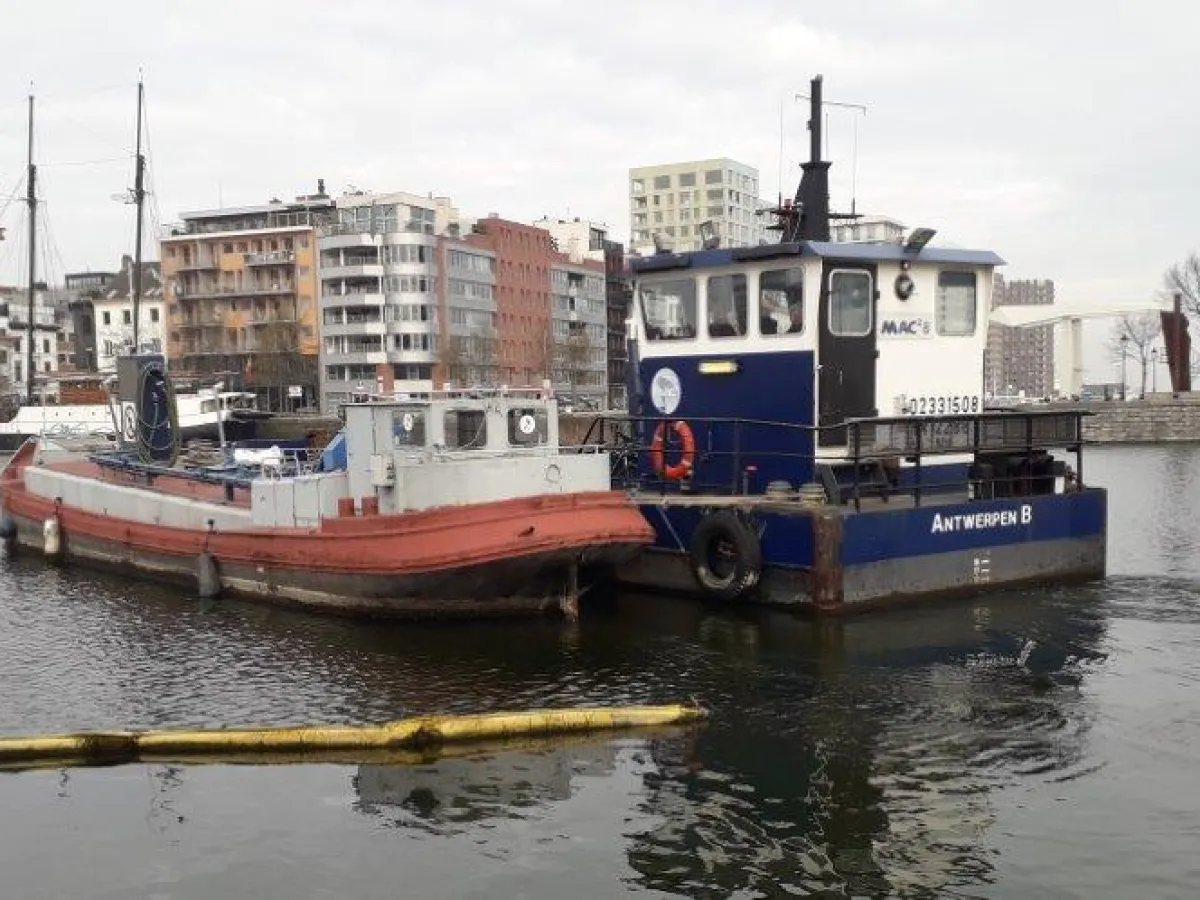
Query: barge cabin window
[(727, 306), (527, 427), (408, 428), (669, 309), (781, 301), (956, 304), (465, 429), (849, 303)]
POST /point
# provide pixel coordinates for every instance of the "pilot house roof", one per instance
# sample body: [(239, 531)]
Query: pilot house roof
[(703, 259)]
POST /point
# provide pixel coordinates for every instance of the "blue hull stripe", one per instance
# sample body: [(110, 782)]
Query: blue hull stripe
[(879, 535), (875, 536)]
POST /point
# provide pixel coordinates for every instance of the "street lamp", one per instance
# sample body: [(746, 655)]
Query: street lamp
[(1154, 370), (1124, 347)]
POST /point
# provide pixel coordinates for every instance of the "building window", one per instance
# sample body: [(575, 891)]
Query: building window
[(662, 182), (849, 303), (727, 306), (687, 179), (669, 309), (637, 186), (126, 316), (956, 303), (153, 314), (712, 176), (781, 301), (107, 318)]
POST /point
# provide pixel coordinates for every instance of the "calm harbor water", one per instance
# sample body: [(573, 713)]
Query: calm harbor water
[(900, 755)]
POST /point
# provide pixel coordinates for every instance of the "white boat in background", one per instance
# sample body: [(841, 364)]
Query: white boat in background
[(199, 415)]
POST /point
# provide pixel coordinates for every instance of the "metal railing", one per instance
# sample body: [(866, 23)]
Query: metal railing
[(730, 454)]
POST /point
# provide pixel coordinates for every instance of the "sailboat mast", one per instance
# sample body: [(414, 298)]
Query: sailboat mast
[(31, 199), (139, 195)]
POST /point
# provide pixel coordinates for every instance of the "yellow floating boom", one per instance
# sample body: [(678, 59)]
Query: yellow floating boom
[(406, 734)]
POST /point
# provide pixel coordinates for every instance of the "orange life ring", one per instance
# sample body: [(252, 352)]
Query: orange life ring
[(687, 458)]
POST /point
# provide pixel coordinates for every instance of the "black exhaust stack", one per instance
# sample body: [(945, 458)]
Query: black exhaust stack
[(808, 217)]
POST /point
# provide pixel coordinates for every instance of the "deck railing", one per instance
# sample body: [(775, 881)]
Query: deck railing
[(731, 452)]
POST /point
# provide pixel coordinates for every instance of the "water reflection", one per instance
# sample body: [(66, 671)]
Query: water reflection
[(868, 767), (446, 795)]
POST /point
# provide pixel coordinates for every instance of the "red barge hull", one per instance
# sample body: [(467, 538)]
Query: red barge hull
[(516, 556)]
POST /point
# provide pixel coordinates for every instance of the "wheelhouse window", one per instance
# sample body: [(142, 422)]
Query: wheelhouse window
[(957, 304), (727, 305), (850, 304), (781, 301), (669, 309)]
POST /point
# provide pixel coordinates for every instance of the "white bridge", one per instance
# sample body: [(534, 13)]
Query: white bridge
[(1072, 333)]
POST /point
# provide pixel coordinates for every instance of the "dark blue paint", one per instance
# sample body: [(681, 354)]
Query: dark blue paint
[(773, 387), (787, 540), (903, 533), (880, 535), (937, 478)]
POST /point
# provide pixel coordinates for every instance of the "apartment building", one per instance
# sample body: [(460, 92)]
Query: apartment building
[(84, 289), (240, 287), (867, 230), (14, 326), (467, 342), (1020, 359), (618, 298), (112, 310), (579, 239), (379, 300), (681, 204), (550, 312)]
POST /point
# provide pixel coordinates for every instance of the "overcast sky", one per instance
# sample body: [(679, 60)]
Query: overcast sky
[(1063, 135)]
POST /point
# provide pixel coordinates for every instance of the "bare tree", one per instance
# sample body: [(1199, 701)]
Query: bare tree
[(449, 359), (576, 356), (1133, 337), (278, 362), (542, 356), (1184, 278)]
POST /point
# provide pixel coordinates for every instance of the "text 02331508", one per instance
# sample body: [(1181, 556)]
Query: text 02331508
[(943, 405)]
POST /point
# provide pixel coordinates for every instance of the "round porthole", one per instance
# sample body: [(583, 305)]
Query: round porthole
[(904, 286)]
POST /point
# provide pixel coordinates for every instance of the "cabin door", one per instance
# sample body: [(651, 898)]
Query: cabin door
[(846, 350)]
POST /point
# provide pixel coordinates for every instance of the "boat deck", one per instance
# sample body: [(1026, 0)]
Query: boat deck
[(175, 485)]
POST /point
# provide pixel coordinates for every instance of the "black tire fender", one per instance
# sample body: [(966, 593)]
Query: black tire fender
[(744, 565)]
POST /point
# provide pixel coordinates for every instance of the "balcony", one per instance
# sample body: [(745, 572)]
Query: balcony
[(412, 356), (352, 270), (353, 328), (198, 265), (348, 239), (365, 357), (272, 258), (251, 290), (352, 298)]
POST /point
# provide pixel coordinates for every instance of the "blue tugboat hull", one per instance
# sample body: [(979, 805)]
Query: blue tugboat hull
[(831, 559)]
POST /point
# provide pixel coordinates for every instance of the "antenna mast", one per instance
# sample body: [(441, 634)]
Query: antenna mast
[(139, 195), (31, 199)]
